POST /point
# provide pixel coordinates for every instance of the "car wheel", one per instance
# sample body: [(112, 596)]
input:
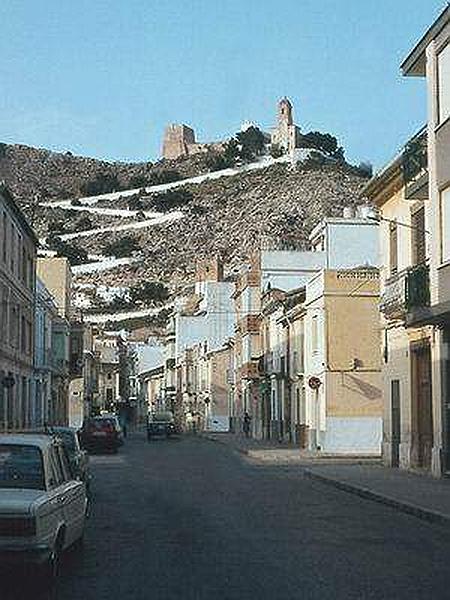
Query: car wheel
[(49, 571)]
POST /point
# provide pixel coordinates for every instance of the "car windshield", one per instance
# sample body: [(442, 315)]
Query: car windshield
[(21, 467), (162, 416)]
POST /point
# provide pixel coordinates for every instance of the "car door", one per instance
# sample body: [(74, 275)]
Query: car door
[(53, 518), (73, 493)]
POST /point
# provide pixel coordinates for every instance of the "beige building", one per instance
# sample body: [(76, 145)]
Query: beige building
[(400, 191), (413, 194), (17, 285), (431, 59), (343, 408), (56, 275)]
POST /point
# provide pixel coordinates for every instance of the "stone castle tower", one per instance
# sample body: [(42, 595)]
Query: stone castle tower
[(286, 134), (179, 140)]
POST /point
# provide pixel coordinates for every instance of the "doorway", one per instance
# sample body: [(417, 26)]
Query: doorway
[(422, 402), (395, 423)]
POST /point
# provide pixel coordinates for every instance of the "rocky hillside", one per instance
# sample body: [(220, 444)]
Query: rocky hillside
[(38, 173), (158, 234)]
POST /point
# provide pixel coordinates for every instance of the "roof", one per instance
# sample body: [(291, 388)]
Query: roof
[(8, 197), (415, 63), (384, 178), (27, 439)]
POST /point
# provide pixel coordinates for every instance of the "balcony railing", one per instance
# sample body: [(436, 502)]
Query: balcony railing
[(406, 291), (415, 167), (251, 370), (250, 324), (393, 297), (417, 287)]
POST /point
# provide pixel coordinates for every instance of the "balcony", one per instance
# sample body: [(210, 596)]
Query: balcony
[(251, 370), (415, 167), (417, 288), (406, 292), (393, 297), (249, 324)]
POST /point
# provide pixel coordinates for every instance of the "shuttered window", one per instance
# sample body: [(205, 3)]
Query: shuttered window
[(444, 84), (393, 248), (418, 236)]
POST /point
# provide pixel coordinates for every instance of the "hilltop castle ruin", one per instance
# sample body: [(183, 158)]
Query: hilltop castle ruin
[(286, 135), (179, 139)]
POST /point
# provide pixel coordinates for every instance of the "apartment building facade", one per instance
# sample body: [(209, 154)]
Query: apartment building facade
[(400, 191), (18, 245)]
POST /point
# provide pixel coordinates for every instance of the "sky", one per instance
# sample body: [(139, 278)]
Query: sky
[(103, 78)]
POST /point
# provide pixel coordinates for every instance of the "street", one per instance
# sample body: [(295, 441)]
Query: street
[(189, 519)]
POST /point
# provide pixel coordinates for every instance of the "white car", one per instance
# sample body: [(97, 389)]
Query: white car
[(42, 506)]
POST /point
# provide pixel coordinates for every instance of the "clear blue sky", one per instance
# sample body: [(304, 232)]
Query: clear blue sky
[(102, 78)]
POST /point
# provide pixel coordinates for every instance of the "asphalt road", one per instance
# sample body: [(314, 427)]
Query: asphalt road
[(189, 519)]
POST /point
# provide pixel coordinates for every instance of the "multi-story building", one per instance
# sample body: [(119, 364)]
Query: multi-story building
[(56, 275), (342, 369), (400, 191), (106, 348), (17, 283), (46, 314), (414, 196), (339, 242)]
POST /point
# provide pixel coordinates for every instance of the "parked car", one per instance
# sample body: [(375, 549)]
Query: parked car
[(79, 458), (101, 433), (42, 505), (160, 424)]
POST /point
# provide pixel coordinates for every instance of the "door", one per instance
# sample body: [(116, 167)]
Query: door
[(395, 422), (446, 399), (422, 403), (72, 498)]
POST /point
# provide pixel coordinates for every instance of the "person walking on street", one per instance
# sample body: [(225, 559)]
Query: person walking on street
[(247, 421)]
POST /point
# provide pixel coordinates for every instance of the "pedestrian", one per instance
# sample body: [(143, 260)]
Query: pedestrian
[(247, 421)]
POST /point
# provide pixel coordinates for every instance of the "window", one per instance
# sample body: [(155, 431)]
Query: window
[(23, 335), (314, 334), (5, 234), (443, 66), (445, 224), (21, 467), (418, 236), (393, 248)]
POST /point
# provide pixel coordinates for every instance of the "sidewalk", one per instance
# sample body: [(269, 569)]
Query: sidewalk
[(417, 494)]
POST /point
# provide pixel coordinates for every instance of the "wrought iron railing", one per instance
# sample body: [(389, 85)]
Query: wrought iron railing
[(418, 287), (415, 166)]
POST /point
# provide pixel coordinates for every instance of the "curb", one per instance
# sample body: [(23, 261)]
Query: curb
[(424, 514)]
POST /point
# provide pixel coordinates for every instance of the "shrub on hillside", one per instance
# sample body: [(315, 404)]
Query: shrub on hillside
[(102, 183), (55, 227), (83, 224), (170, 200), (73, 253), (3, 148), (149, 291), (252, 143), (324, 142), (134, 203), (122, 247)]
